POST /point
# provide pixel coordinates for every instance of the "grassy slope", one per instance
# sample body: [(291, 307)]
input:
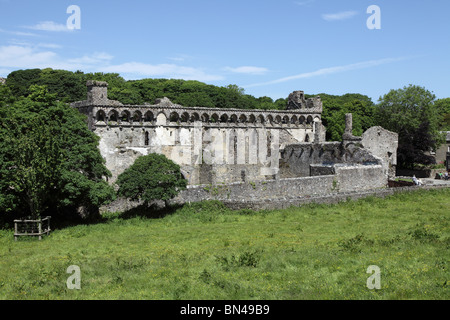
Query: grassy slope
[(208, 252)]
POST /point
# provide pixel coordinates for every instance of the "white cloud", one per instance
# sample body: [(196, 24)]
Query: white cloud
[(28, 57), (339, 16), (248, 70), (331, 70), (138, 69), (22, 43), (24, 57), (50, 26), (49, 45), (18, 33), (93, 59), (15, 57)]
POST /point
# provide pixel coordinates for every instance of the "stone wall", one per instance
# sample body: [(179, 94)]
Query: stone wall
[(383, 144), (302, 160), (211, 145), (347, 178), (241, 156)]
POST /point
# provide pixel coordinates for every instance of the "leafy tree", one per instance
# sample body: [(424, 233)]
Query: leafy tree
[(406, 108), (34, 162), (443, 107), (68, 86), (49, 159), (266, 103), (413, 145), (19, 81), (412, 113), (281, 103), (151, 177), (6, 96), (335, 108)]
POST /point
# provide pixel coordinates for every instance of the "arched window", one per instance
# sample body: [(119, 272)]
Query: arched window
[(148, 117), (113, 116), (277, 119), (260, 118), (302, 120), (184, 117), (100, 116), (137, 116), (125, 116), (294, 120), (195, 117), (173, 117)]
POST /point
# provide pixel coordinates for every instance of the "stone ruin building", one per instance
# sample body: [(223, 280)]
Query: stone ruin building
[(242, 154)]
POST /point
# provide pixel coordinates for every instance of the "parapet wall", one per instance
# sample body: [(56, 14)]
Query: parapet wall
[(347, 178)]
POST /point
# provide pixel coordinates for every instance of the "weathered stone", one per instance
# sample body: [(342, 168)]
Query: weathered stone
[(211, 145), (242, 156), (383, 144)]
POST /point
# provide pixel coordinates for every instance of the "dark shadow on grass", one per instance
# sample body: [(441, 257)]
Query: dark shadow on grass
[(150, 212)]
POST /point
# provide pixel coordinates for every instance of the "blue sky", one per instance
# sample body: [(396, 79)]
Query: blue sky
[(269, 48)]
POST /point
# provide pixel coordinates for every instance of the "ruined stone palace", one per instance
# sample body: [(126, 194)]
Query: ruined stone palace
[(238, 147)]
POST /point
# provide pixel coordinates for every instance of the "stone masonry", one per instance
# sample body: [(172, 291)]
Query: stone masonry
[(242, 155), (211, 145)]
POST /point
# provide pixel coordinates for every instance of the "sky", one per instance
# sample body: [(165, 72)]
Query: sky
[(267, 47)]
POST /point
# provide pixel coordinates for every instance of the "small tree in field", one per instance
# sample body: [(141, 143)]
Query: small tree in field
[(152, 177)]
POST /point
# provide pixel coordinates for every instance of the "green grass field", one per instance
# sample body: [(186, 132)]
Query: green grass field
[(205, 251)]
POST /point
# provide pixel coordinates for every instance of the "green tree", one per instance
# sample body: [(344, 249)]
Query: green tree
[(35, 161), (151, 177), (49, 159), (19, 81), (443, 107), (335, 108), (413, 146), (403, 110)]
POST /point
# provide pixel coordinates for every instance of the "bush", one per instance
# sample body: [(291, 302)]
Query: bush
[(150, 178)]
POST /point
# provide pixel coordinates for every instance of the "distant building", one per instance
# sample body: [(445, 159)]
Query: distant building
[(2, 81)]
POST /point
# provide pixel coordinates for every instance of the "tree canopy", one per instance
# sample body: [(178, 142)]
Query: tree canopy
[(49, 159), (151, 177), (405, 109)]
